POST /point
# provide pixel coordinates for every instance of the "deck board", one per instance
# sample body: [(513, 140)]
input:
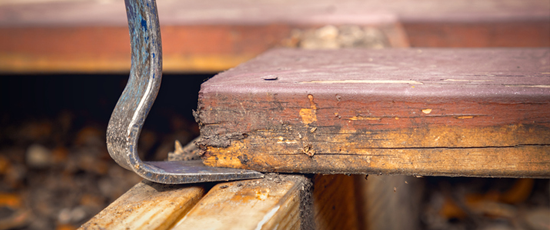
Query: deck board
[(467, 112), (92, 35)]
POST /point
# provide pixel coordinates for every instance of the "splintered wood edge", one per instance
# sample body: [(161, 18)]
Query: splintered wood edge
[(275, 202), (147, 206), (514, 162)]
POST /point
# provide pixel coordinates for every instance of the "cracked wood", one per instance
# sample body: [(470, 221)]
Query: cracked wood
[(467, 112)]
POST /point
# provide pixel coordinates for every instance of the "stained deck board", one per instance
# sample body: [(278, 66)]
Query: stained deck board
[(92, 35), (467, 112)]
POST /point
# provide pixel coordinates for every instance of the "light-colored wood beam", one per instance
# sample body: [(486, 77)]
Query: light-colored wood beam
[(147, 206), (276, 202)]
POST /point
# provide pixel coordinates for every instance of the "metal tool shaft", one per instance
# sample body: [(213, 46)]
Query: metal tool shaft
[(136, 100)]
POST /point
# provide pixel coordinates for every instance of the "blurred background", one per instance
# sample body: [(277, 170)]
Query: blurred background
[(64, 63)]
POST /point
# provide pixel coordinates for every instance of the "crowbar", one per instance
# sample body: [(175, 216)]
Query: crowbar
[(135, 103)]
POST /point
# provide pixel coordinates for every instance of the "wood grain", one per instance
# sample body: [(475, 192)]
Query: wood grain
[(276, 202), (470, 112), (147, 206)]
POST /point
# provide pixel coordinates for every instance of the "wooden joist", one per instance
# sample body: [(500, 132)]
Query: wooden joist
[(271, 203), (147, 206), (452, 112), (275, 202)]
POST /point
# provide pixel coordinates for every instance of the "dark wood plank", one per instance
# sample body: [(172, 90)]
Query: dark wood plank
[(207, 48), (469, 112), (92, 36), (530, 32)]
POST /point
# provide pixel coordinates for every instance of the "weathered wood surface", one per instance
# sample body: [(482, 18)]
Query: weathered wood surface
[(92, 36), (276, 202), (470, 112), (147, 206)]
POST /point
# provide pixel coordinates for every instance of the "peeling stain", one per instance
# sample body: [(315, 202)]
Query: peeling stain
[(308, 116), (465, 117), (427, 111), (313, 105)]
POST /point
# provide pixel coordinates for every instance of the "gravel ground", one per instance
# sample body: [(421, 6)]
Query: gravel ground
[(55, 171)]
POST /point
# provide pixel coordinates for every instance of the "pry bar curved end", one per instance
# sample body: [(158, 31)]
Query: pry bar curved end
[(136, 100)]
